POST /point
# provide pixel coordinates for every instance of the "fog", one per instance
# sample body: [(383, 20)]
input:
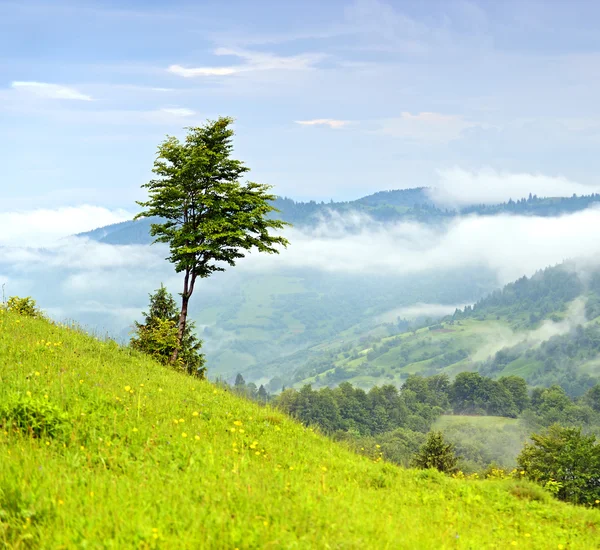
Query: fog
[(105, 285), (504, 337)]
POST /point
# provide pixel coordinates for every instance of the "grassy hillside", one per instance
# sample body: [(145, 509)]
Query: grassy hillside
[(123, 453), (545, 329)]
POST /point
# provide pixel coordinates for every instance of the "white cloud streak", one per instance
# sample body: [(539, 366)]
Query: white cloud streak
[(254, 61), (332, 123), (50, 91), (178, 111)]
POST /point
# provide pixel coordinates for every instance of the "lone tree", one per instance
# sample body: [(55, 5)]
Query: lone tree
[(157, 335), (206, 216)]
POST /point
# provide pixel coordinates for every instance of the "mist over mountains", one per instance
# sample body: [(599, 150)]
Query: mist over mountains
[(352, 267)]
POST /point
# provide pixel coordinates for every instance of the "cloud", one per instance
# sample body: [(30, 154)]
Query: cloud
[(50, 91), (332, 123), (254, 61), (202, 71), (105, 285), (459, 187), (509, 246), (44, 226), (425, 126), (178, 111), (420, 310)]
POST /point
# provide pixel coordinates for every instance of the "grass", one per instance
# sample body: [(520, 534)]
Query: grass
[(491, 422), (142, 457)]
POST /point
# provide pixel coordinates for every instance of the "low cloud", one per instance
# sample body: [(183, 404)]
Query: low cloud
[(459, 187), (50, 91), (511, 246), (332, 123), (44, 226), (420, 310), (86, 280), (503, 337)]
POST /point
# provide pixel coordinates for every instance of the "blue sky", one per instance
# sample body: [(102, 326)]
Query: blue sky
[(333, 99)]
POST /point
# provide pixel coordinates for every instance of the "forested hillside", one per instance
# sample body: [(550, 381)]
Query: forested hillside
[(544, 328)]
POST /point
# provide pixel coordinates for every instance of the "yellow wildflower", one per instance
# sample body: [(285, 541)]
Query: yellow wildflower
[(183, 434)]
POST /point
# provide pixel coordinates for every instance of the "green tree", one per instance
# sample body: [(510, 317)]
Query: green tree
[(240, 383), (206, 216), (436, 453), (157, 335), (565, 460), (23, 306), (263, 396)]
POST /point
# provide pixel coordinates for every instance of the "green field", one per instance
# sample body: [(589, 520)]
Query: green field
[(486, 422), (103, 448)]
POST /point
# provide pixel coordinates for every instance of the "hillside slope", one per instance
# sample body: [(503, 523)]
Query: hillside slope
[(127, 454), (545, 328)]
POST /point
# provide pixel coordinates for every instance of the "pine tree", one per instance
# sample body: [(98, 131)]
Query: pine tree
[(239, 383), (158, 335), (263, 396), (436, 453)]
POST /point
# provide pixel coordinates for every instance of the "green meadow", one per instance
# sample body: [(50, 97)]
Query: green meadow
[(101, 447)]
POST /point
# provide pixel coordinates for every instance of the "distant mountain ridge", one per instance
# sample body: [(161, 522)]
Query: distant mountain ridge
[(414, 204)]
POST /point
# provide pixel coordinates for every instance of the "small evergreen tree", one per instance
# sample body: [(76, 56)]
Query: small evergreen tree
[(263, 396), (436, 453), (240, 383), (158, 335)]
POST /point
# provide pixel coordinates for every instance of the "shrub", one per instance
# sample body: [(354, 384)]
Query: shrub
[(23, 306), (436, 453), (565, 462)]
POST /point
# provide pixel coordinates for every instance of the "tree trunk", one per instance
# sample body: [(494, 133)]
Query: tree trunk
[(188, 288)]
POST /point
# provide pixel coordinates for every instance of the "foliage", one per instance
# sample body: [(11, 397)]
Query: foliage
[(566, 462), (205, 215), (23, 306), (346, 408), (436, 453), (128, 478), (158, 335)]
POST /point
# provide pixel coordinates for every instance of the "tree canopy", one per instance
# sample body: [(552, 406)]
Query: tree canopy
[(205, 214)]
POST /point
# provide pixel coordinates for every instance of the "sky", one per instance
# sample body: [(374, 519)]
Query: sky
[(332, 100)]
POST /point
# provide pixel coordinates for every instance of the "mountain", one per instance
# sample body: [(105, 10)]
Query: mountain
[(545, 328), (102, 447), (250, 320), (412, 204)]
